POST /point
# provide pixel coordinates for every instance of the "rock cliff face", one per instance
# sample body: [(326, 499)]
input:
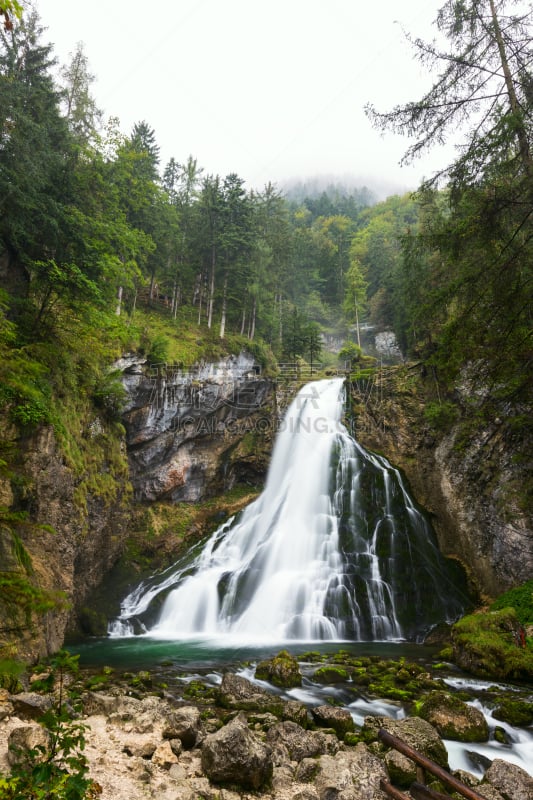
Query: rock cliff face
[(189, 435), (192, 434), (467, 485), (72, 534)]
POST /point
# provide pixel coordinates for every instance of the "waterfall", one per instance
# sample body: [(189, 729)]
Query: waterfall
[(333, 549)]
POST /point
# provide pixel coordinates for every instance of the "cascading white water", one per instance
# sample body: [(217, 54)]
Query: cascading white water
[(333, 549)]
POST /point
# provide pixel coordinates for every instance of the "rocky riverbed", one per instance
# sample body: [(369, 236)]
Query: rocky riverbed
[(244, 735)]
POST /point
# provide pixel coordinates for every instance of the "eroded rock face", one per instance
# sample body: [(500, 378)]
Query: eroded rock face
[(295, 741), (184, 724), (236, 692), (193, 432), (25, 738), (354, 774), (73, 533), (467, 485), (234, 755), (332, 717), (415, 732), (510, 780)]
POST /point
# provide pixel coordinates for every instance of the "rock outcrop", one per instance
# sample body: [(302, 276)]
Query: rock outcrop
[(467, 482), (189, 435), (192, 433), (74, 518)]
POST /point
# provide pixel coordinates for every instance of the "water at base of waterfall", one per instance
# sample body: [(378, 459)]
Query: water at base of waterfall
[(334, 549)]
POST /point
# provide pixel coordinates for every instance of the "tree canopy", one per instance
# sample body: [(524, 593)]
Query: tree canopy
[(468, 267)]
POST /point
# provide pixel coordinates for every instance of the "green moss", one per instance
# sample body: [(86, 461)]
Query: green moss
[(514, 712), (10, 674), (521, 599), (453, 718), (490, 645), (196, 690), (331, 674), (283, 670), (352, 739)]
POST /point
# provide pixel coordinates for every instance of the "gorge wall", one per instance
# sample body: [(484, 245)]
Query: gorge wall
[(194, 433), (69, 522), (186, 436), (472, 486), (191, 435)]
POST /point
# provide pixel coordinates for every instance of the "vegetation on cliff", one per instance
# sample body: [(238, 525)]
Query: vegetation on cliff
[(496, 642)]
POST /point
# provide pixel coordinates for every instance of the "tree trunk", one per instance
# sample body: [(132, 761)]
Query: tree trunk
[(357, 325), (252, 330), (177, 300), (200, 297), (119, 301), (152, 287), (224, 301), (521, 133), (197, 288), (211, 299)]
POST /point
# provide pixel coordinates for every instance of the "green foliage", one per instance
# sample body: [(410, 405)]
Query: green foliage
[(159, 349), (59, 771), (461, 291), (441, 416), (489, 645), (521, 599), (109, 395), (10, 672), (350, 352)]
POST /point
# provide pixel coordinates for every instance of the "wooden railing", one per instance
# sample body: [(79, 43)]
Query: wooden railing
[(418, 789)]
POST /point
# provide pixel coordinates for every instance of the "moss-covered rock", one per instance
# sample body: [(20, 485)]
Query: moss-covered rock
[(402, 771), (282, 670), (514, 712), (237, 693), (331, 674), (414, 731), (453, 718), (493, 645)]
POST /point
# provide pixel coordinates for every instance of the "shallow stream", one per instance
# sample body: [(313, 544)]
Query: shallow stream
[(177, 663)]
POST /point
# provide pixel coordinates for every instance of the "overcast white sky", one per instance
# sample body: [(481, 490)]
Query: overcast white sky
[(270, 90)]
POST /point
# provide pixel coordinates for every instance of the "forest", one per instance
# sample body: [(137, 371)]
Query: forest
[(105, 250), (94, 227)]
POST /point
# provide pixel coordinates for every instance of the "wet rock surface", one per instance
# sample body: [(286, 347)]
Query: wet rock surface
[(454, 719)]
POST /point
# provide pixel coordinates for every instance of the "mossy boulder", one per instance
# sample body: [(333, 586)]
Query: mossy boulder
[(282, 670), (454, 719), (331, 674), (402, 771), (514, 712), (493, 645)]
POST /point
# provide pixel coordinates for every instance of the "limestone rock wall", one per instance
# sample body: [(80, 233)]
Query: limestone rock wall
[(469, 487), (71, 536), (193, 433)]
